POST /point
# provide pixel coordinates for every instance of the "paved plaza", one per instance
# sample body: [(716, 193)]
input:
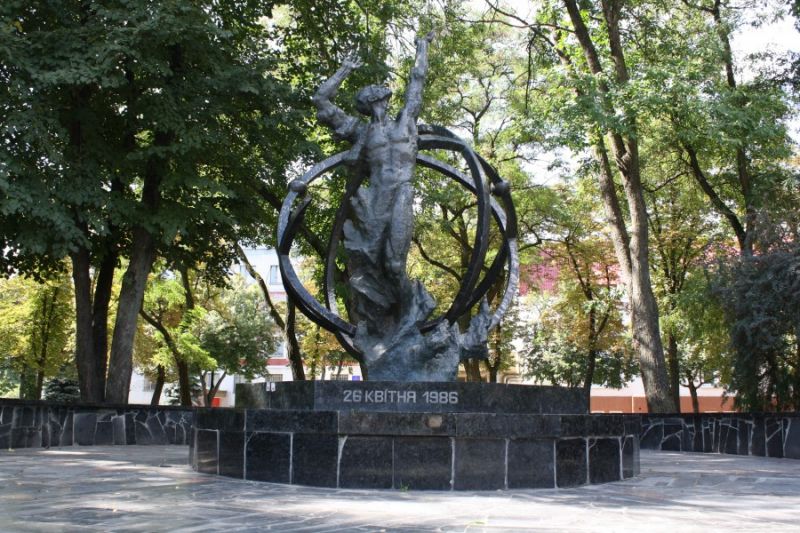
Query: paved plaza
[(151, 488)]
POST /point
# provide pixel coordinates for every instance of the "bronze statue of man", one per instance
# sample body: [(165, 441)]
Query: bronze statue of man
[(386, 305), (387, 146)]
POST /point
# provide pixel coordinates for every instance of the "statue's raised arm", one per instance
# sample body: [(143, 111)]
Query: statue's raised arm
[(344, 126), (416, 82)]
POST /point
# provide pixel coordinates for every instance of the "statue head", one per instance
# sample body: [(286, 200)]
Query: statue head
[(370, 95)]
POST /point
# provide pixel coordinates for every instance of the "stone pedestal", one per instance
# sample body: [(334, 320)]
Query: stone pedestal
[(440, 436)]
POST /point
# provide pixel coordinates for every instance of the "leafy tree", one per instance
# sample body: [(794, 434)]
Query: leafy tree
[(562, 348), (286, 326), (205, 332), (36, 329), (581, 77), (685, 234), (145, 110), (698, 323), (238, 334), (731, 134), (321, 351), (502, 342), (762, 298), (147, 360), (579, 338), (472, 77), (169, 308)]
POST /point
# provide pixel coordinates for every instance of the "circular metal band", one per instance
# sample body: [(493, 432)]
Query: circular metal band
[(432, 137)]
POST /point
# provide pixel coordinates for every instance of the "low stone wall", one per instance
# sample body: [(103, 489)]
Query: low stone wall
[(761, 434), (30, 424)]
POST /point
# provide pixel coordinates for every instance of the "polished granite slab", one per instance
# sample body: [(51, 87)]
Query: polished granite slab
[(417, 451), (428, 397)]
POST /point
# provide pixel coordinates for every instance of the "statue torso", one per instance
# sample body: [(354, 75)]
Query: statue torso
[(390, 152)]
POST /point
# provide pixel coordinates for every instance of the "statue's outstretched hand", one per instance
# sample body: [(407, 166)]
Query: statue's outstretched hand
[(352, 62)]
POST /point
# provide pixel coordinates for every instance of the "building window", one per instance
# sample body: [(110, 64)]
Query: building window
[(271, 380), (273, 275), (148, 386)]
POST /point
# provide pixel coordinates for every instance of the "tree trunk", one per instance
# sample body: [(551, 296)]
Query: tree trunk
[(100, 306), (184, 383), (339, 366), (208, 393), (130, 303), (473, 369), (91, 383), (27, 384), (215, 387), (591, 360), (633, 258), (674, 376), (695, 400), (40, 364), (37, 391), (134, 281), (46, 319), (159, 385), (742, 161), (292, 345), (647, 340), (287, 327), (591, 363), (796, 389)]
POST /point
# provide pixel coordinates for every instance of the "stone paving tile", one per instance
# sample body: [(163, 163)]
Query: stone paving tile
[(150, 488)]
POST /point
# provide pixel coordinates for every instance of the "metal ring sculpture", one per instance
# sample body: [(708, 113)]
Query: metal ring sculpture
[(430, 137)]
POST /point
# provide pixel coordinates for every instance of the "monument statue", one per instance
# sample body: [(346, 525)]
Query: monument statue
[(391, 332)]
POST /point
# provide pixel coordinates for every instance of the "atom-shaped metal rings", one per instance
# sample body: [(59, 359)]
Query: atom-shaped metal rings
[(503, 213)]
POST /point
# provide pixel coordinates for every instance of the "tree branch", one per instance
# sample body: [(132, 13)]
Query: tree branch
[(434, 262)]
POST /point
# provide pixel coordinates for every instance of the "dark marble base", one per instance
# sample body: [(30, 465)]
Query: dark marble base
[(760, 434), (412, 450), (45, 424)]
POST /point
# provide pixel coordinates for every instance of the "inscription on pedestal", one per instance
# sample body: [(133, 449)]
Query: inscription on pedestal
[(426, 397), (391, 396)]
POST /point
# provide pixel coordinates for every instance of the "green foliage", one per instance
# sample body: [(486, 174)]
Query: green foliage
[(35, 331), (556, 359), (170, 325), (699, 321), (9, 379), (62, 390), (503, 342), (237, 332), (582, 318), (98, 93), (762, 301), (213, 331), (557, 349)]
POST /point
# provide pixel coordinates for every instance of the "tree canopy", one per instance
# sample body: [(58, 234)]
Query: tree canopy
[(652, 164)]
